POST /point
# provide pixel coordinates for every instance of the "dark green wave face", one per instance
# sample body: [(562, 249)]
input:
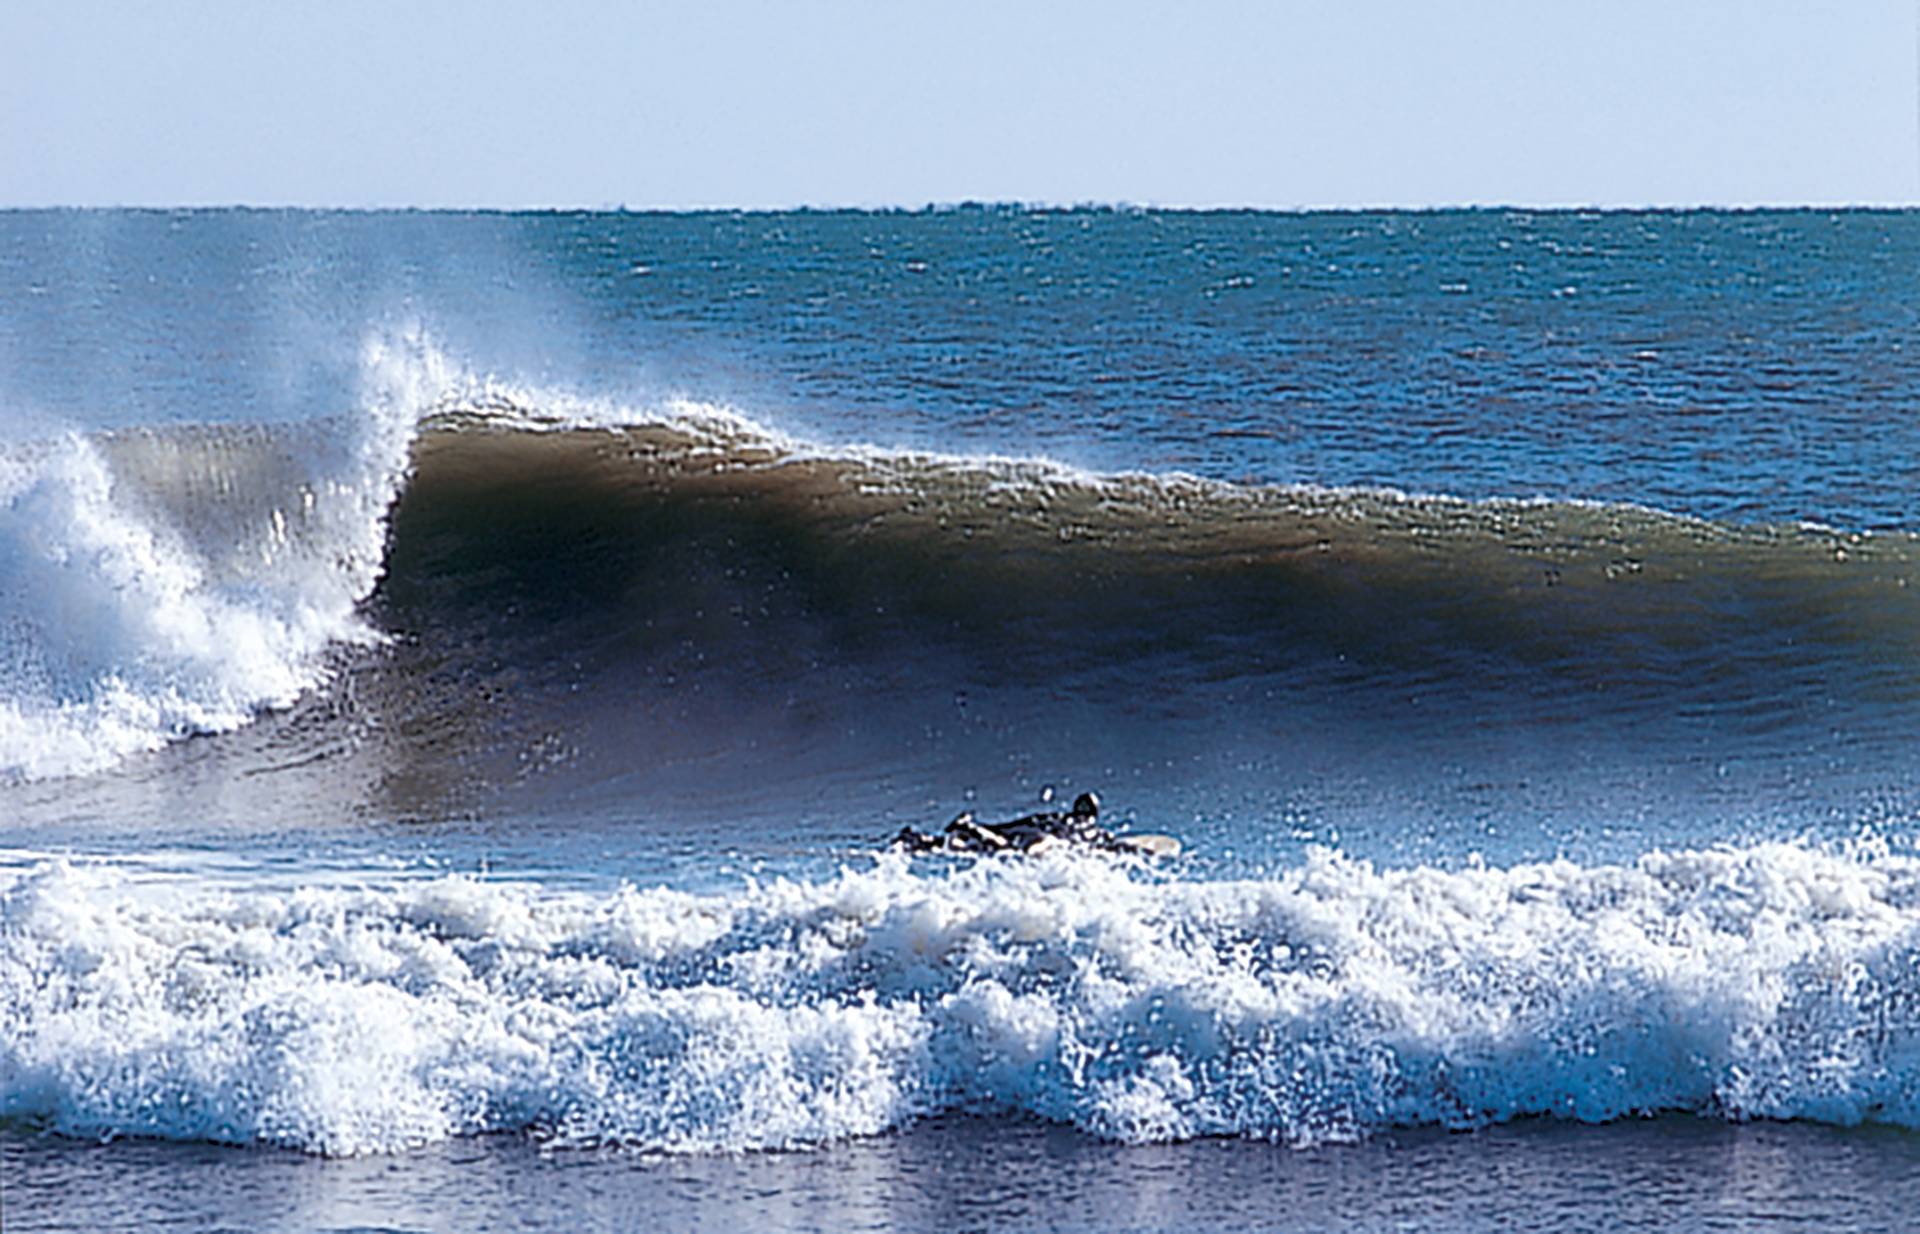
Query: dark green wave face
[(692, 617), (673, 536), (713, 588)]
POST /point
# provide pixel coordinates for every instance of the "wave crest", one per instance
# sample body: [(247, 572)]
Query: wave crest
[(554, 573), (160, 583)]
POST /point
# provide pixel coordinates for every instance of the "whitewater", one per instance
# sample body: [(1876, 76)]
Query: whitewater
[(1768, 982)]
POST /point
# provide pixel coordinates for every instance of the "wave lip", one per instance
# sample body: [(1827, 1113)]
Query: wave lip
[(1320, 1005), (155, 584)]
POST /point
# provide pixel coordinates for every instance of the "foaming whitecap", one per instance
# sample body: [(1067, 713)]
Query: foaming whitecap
[(149, 590), (1322, 1004)]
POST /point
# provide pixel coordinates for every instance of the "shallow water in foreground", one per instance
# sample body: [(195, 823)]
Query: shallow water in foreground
[(967, 1173)]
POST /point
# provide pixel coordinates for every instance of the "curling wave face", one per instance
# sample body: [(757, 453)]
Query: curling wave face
[(160, 583), (1770, 981), (472, 588)]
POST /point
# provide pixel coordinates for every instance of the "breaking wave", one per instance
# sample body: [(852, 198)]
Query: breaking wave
[(670, 570), (155, 584)]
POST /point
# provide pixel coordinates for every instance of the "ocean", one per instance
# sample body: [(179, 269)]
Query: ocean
[(460, 673)]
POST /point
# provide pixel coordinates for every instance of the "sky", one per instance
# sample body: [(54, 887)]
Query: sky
[(737, 103)]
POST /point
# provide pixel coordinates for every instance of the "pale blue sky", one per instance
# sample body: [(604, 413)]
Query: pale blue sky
[(735, 103)]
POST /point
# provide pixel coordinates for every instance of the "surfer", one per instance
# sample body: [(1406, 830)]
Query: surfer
[(1032, 833)]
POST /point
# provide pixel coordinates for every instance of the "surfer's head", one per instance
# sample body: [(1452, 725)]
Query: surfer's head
[(1086, 805)]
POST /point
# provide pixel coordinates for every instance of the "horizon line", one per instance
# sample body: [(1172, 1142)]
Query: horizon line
[(1087, 205)]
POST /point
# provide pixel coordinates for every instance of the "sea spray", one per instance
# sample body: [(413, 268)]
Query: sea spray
[(159, 584)]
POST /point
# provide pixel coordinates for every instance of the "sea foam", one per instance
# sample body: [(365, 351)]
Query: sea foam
[(1316, 1005), (149, 590)]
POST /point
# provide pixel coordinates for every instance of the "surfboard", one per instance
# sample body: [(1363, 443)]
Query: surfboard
[(1149, 844)]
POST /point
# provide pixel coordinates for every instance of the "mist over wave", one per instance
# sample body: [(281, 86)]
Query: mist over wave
[(156, 583)]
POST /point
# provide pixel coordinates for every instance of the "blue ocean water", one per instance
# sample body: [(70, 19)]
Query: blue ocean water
[(458, 674)]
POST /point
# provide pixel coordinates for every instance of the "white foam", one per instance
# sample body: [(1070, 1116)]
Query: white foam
[(1775, 981), (127, 620)]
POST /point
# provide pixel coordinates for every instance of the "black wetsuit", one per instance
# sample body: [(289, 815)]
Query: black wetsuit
[(1079, 825)]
